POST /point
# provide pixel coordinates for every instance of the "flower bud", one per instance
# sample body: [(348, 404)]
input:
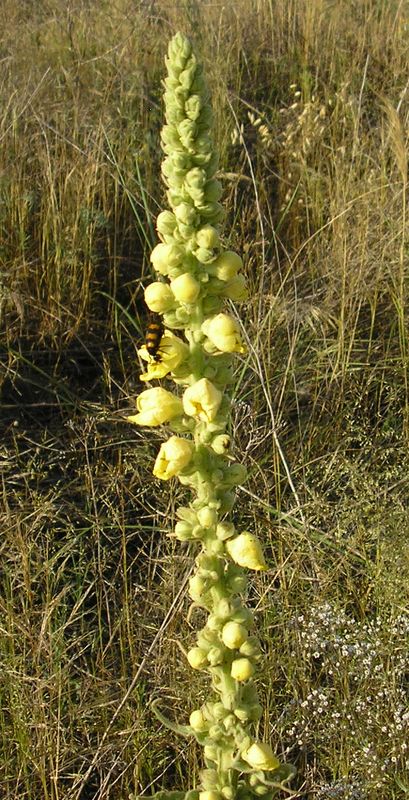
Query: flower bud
[(197, 721), (236, 289), (212, 304), (242, 669), (225, 530), (238, 584), (250, 648), (202, 400), (210, 794), (185, 288), (187, 514), (165, 221), (215, 656), (216, 547), (226, 265), (261, 790), (246, 551), (183, 531), (213, 190), (166, 256), (242, 714), (224, 333), (261, 757), (210, 753), (207, 237), (197, 586), (196, 178), (185, 213), (174, 455), (235, 474), (234, 635), (220, 444), (193, 106), (197, 658), (219, 711), (209, 778), (159, 297), (155, 407), (207, 517)]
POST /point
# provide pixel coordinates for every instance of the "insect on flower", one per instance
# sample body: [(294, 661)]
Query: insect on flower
[(153, 336)]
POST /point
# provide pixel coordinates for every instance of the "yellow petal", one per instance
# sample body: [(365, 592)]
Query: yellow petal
[(261, 756), (246, 551), (202, 400)]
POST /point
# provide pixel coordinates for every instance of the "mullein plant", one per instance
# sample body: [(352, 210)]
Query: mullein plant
[(195, 277)]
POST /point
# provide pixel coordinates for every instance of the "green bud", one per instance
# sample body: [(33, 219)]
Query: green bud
[(221, 443), (219, 711), (207, 517), (216, 732), (187, 130), (225, 530), (235, 475), (226, 502), (185, 213), (165, 223), (183, 531), (230, 722), (197, 720), (210, 752), (193, 106), (207, 237), (242, 714), (244, 616), (197, 586), (216, 547), (209, 778), (251, 647)]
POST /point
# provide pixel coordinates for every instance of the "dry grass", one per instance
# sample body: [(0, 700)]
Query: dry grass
[(311, 103)]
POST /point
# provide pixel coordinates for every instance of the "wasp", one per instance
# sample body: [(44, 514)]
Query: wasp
[(153, 336)]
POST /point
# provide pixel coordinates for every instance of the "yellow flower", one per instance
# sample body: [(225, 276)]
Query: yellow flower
[(261, 756), (159, 297), (223, 332), (226, 265), (246, 551), (173, 456), (185, 288), (155, 407), (242, 669), (202, 400), (172, 352), (234, 635)]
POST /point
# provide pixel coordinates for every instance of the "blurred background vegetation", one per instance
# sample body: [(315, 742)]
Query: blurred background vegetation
[(311, 103)]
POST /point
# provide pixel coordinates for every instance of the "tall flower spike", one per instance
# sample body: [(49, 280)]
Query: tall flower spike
[(196, 275)]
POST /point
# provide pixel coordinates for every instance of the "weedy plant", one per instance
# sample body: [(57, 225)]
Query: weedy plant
[(196, 276)]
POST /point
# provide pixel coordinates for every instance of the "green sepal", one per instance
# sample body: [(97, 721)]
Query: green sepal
[(182, 730)]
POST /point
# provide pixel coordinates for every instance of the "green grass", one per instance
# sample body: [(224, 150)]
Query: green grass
[(311, 105)]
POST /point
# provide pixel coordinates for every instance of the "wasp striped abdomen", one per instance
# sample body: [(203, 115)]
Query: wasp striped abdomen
[(153, 336)]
